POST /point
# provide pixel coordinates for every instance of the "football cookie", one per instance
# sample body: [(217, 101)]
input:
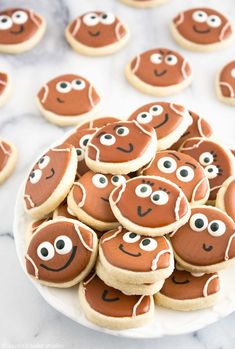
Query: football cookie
[(50, 181), (98, 122), (199, 128), (202, 29), (5, 88), (20, 30), (169, 121), (107, 307), (88, 199), (206, 243), (61, 253), (225, 84), (159, 72), (150, 205), (216, 160), (135, 259), (182, 170), (97, 34), (121, 147), (8, 156), (225, 199), (187, 291), (68, 99), (143, 3)]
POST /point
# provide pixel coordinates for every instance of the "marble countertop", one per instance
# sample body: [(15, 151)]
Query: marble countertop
[(26, 320)]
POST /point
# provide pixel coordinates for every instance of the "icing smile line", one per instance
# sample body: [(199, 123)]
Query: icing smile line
[(180, 282), (163, 122), (94, 34), (105, 199), (106, 299), (69, 261), (129, 253), (207, 248), (201, 31), (143, 213), (21, 29), (124, 150), (51, 174), (156, 73), (59, 100)]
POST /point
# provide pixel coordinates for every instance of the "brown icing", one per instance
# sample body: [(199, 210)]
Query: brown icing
[(62, 211), (203, 26), (98, 123), (92, 191), (4, 80), (68, 95), (213, 157), (161, 67), (111, 302), (66, 257), (164, 117), (35, 225), (142, 210), (182, 170), (97, 29), (199, 128), (18, 25), (229, 199), (5, 153), (42, 181), (130, 251), (213, 243), (183, 285), (227, 80), (119, 142)]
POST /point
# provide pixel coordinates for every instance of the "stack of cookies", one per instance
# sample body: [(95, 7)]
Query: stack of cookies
[(124, 207)]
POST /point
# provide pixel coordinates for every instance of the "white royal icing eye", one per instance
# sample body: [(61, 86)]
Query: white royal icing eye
[(167, 164), (78, 84), (156, 110), (130, 237), (156, 58), (99, 181), (118, 180), (185, 173), (200, 16), (206, 159), (171, 59), (45, 251), (216, 228), (43, 162), (91, 19), (19, 17), (143, 190), (107, 139), (233, 73), (80, 154), (63, 244), (144, 118), (148, 244), (159, 197), (84, 140), (214, 21), (35, 176), (212, 171), (198, 222), (122, 131), (63, 86), (107, 18), (5, 22)]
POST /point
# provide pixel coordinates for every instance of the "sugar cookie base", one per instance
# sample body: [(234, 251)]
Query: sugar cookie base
[(219, 203), (10, 165), (226, 100), (144, 4), (6, 92)]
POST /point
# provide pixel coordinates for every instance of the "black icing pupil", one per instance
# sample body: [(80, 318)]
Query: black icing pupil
[(93, 17), (184, 173), (115, 179), (169, 59), (104, 16), (167, 164), (78, 82), (79, 152), (210, 170), (63, 85), (132, 235), (102, 180), (206, 160), (143, 189), (41, 160), (214, 226), (120, 131), (60, 244), (156, 197), (32, 175), (107, 136), (199, 223), (4, 20), (85, 142), (44, 252), (146, 242), (144, 116), (155, 108)]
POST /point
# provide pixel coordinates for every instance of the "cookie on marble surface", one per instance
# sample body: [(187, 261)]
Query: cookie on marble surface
[(150, 205), (8, 157), (225, 199), (169, 120), (159, 72), (187, 291), (97, 34), (202, 29), (184, 171), (107, 307), (50, 181), (89, 199), (20, 30), (217, 161), (61, 253), (68, 100), (144, 3), (206, 243), (98, 122), (225, 83), (5, 88)]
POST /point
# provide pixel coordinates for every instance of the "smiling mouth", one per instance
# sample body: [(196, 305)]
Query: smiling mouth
[(129, 253), (94, 34), (180, 282), (52, 174), (156, 73), (163, 122), (106, 299), (124, 150), (69, 261), (59, 100), (21, 29), (105, 199), (143, 213), (207, 248), (201, 31)]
